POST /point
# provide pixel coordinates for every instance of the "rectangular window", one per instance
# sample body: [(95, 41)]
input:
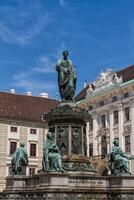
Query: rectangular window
[(101, 103), (13, 146), (33, 149), (127, 143), (126, 114), (91, 149), (90, 107), (103, 121), (115, 115), (126, 95), (114, 99), (33, 131), (91, 124), (13, 129), (31, 171)]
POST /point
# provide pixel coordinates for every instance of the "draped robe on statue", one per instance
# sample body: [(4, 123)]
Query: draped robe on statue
[(66, 78)]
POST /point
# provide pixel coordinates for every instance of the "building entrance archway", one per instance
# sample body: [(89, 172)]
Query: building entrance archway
[(103, 170)]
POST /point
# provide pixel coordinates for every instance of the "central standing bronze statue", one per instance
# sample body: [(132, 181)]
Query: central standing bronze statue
[(66, 77)]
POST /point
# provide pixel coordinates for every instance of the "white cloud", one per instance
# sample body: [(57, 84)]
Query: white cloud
[(35, 86), (27, 82), (22, 24), (46, 64), (22, 75)]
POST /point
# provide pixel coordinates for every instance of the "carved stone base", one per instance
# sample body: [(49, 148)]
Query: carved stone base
[(76, 163), (68, 186)]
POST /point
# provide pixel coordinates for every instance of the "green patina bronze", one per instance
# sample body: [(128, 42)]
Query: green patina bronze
[(51, 156), (19, 160), (66, 77), (118, 160)]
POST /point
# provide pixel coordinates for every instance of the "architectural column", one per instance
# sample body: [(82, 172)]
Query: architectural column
[(55, 136), (108, 145), (121, 137), (27, 170), (132, 128), (87, 137), (111, 121), (99, 146), (70, 140), (82, 141), (95, 129)]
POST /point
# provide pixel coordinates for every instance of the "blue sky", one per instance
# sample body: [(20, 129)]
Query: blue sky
[(99, 34)]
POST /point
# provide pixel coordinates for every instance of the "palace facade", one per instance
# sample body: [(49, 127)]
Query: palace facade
[(20, 120), (110, 101)]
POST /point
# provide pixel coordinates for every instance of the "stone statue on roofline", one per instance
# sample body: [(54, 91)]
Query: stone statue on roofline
[(90, 90), (51, 156), (66, 77), (118, 160), (19, 160), (117, 80)]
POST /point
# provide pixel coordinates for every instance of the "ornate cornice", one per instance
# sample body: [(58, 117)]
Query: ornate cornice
[(23, 122), (103, 131), (119, 106)]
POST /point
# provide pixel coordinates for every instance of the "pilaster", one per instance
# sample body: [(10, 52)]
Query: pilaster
[(99, 146), (70, 140), (87, 137), (121, 137), (95, 129), (111, 126), (82, 141), (132, 129), (108, 144)]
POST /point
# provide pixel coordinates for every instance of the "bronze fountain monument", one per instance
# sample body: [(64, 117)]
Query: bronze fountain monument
[(67, 173)]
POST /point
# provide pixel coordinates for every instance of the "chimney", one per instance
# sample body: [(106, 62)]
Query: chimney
[(44, 95), (29, 93), (85, 83), (12, 91)]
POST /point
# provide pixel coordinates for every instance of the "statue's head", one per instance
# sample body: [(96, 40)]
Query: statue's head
[(22, 144), (116, 142), (65, 53), (49, 135)]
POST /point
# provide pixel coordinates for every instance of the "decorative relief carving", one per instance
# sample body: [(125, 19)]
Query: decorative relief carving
[(117, 79), (116, 133), (90, 90), (103, 131), (78, 166), (120, 106), (127, 130), (76, 140), (85, 141), (62, 139), (104, 80)]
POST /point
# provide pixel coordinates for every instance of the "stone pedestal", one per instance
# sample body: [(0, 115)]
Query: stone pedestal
[(69, 186), (67, 123)]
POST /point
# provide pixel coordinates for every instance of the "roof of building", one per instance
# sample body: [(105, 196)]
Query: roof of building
[(126, 73), (23, 107), (82, 94)]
